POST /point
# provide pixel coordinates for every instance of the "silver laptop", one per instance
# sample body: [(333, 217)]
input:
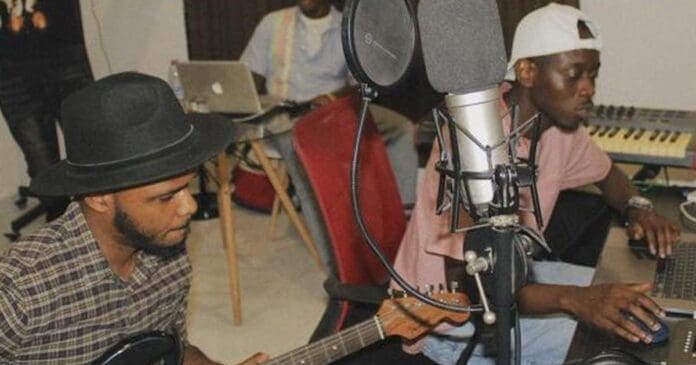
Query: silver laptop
[(674, 279), (219, 86)]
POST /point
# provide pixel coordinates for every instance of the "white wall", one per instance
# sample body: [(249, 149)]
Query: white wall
[(12, 166), (135, 35), (649, 53)]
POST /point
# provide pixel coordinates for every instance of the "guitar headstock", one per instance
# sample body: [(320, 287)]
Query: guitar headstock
[(409, 318)]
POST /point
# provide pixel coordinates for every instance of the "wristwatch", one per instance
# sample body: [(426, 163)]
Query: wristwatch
[(637, 202)]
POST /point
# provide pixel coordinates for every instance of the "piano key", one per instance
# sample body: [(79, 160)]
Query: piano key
[(618, 142), (675, 136), (603, 131), (593, 130), (638, 135), (681, 145), (664, 135), (613, 132)]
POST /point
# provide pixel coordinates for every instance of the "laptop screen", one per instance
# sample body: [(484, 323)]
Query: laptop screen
[(219, 86)]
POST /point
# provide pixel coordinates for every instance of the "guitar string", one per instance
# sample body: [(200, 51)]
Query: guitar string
[(317, 348), (354, 333)]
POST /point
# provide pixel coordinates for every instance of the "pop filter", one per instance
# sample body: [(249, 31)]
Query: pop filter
[(379, 41)]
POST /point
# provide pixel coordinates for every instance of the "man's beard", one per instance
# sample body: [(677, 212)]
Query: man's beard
[(141, 241)]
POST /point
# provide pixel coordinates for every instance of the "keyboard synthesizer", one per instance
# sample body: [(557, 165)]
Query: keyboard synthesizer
[(645, 136)]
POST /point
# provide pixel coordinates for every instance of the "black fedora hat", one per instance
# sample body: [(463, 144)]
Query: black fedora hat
[(126, 130)]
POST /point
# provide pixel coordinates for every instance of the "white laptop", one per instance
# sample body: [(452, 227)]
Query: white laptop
[(220, 87)]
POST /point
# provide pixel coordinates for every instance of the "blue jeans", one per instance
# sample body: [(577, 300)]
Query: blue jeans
[(544, 339)]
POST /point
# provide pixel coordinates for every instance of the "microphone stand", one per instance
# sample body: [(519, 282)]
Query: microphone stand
[(494, 253)]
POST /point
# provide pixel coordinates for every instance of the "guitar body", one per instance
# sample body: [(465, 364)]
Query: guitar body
[(146, 348)]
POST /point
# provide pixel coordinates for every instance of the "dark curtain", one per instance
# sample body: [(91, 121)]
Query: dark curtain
[(220, 29)]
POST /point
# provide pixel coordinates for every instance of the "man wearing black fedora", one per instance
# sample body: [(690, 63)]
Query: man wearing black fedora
[(114, 264)]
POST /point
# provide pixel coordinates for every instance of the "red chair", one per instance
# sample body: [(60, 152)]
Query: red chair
[(323, 143)]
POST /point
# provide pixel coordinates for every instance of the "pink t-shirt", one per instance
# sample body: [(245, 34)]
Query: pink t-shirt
[(564, 159)]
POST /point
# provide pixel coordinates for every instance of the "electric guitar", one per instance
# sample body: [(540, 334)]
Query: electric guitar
[(407, 317)]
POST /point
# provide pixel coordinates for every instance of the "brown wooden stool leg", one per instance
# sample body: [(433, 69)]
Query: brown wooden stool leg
[(286, 202), (275, 212), (227, 226)]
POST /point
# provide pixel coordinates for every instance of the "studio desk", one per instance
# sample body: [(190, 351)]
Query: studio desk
[(589, 341)]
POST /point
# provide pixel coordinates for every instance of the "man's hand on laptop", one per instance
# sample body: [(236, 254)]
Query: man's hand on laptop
[(605, 306), (657, 231)]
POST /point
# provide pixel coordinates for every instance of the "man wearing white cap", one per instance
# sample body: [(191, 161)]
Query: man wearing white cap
[(554, 63)]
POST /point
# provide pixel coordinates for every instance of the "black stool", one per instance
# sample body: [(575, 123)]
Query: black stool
[(27, 217), (207, 202)]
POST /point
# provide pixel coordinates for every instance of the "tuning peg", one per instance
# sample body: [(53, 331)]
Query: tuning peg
[(453, 286), (441, 288), (390, 292), (429, 289)]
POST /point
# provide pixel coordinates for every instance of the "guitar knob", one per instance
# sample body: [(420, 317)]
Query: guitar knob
[(600, 111), (620, 112)]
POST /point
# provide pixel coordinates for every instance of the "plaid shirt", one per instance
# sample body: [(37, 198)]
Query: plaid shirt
[(60, 303)]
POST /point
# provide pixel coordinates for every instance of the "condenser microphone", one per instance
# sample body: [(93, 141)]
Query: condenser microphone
[(464, 56)]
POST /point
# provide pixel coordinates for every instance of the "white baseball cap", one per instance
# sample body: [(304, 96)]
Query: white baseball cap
[(548, 30)]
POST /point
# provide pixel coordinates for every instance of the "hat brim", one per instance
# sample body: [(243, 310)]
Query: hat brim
[(211, 134)]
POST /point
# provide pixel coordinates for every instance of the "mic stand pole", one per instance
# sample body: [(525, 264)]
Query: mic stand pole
[(504, 273), (503, 296), (499, 261)]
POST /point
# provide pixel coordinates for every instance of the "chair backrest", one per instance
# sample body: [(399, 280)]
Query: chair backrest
[(144, 349), (323, 142)]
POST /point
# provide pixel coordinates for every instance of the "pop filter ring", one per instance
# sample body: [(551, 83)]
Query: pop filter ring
[(350, 49)]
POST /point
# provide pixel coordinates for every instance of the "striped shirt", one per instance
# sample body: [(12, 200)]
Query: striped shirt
[(278, 51), (60, 303)]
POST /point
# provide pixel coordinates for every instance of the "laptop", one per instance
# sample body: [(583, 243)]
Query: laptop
[(221, 87), (674, 279)]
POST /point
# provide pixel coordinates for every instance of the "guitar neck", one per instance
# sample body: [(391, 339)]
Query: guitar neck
[(334, 347)]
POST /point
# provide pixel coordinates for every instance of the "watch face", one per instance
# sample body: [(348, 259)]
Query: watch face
[(640, 202)]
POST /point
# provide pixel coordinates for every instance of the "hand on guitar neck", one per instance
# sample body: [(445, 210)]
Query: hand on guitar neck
[(404, 317), (257, 358)]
